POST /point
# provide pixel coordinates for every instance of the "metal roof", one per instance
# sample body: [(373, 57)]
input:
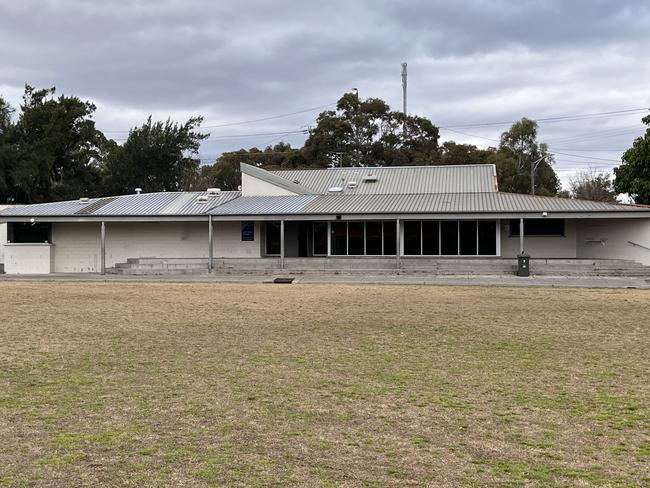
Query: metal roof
[(398, 179), (145, 204), (441, 203), (278, 205)]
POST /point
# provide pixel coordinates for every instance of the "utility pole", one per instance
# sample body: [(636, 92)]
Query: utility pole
[(533, 169), (404, 75)]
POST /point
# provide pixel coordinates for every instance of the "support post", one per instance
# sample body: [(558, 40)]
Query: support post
[(282, 244), (397, 245), (521, 236), (103, 250), (210, 242)]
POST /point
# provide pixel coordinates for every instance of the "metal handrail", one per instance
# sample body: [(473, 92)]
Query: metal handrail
[(639, 245)]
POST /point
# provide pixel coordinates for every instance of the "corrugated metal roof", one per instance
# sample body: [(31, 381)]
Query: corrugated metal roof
[(398, 179), (481, 202), (145, 204), (456, 203), (278, 205), (93, 207), (47, 209)]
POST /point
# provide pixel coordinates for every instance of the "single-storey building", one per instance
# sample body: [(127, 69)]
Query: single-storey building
[(396, 218), (3, 241)]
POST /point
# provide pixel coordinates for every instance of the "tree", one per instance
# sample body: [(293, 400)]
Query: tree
[(5, 124), (52, 151), (519, 152), (633, 176), (454, 153), (158, 156), (225, 173), (367, 133), (590, 185)]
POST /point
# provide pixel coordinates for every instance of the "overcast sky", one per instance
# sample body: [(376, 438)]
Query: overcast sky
[(469, 62)]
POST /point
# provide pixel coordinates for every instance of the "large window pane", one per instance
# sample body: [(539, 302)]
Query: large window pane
[(449, 237), (339, 238), (487, 237), (430, 237), (467, 234), (355, 238), (390, 237), (273, 238), (412, 237), (373, 238), (320, 238), (24, 232)]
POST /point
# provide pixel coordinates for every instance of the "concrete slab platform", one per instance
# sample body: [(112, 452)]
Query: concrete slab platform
[(460, 280)]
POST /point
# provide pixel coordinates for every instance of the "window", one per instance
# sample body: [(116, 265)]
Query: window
[(26, 232), (449, 237), (390, 237), (273, 238), (248, 231), (373, 238), (467, 238), (356, 238), (487, 242), (430, 237), (320, 238), (339, 238), (412, 237), (538, 227)]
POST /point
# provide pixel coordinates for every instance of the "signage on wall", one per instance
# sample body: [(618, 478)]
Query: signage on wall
[(248, 231)]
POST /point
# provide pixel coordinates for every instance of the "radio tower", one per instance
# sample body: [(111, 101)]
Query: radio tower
[(404, 93)]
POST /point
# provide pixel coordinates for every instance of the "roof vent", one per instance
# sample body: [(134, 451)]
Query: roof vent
[(202, 199), (369, 178), (335, 189), (213, 191), (138, 191), (352, 185), (84, 200)]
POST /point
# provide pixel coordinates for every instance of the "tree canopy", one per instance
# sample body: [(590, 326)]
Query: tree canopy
[(633, 176), (591, 185), (52, 151), (158, 156)]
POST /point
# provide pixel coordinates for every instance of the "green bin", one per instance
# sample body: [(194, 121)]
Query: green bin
[(523, 265)]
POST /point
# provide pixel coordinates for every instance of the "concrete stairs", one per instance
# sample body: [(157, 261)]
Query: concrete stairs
[(160, 266), (381, 266)]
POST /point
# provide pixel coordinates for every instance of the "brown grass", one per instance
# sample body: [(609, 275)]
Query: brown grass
[(320, 385)]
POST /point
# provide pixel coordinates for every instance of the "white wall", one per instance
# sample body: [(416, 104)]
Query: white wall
[(3, 239), (77, 245), (252, 186), (540, 247), (613, 236), (28, 258)]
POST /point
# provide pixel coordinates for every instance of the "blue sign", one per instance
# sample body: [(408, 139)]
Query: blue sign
[(248, 231)]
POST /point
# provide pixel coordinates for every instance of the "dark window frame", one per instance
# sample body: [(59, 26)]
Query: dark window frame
[(528, 223)]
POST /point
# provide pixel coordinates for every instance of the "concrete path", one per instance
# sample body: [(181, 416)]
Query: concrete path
[(539, 281)]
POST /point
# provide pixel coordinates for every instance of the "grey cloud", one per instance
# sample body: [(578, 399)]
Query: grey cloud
[(477, 60)]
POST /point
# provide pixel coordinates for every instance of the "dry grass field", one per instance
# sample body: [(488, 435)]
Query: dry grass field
[(268, 385)]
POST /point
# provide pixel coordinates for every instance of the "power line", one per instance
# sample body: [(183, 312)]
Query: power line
[(242, 122), (245, 136), (562, 118), (552, 150)]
